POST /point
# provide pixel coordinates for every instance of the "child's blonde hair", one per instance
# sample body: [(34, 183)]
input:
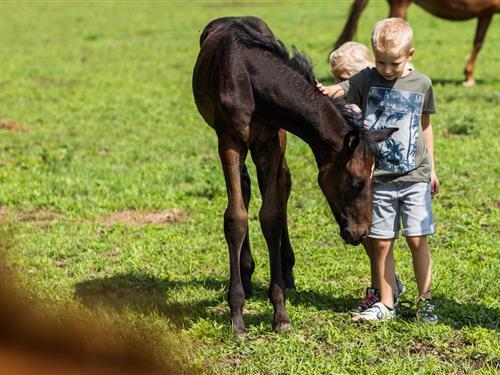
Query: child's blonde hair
[(350, 57), (392, 34)]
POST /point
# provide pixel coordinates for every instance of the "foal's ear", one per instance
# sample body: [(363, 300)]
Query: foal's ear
[(382, 134), (351, 140)]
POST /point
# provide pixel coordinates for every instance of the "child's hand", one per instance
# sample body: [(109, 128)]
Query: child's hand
[(321, 88), (331, 91), (434, 184)]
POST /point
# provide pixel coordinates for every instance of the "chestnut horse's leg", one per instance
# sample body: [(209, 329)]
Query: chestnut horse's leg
[(483, 22), (399, 8), (268, 157), (232, 155), (352, 22), (247, 264)]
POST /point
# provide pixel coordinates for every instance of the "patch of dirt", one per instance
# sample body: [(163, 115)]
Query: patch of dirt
[(60, 263), (3, 213), (140, 218), (114, 253), (42, 218), (233, 360), (12, 126), (49, 82)]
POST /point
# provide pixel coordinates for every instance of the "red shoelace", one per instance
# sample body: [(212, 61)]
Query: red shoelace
[(368, 301)]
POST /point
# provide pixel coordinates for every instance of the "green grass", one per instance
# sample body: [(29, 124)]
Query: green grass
[(104, 91)]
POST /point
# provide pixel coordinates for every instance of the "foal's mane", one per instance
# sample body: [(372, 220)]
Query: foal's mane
[(298, 61), (302, 64)]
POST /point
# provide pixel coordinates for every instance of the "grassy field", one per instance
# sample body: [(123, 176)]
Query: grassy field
[(97, 122)]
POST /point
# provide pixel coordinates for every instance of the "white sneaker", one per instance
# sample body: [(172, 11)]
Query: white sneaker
[(425, 312), (378, 312)]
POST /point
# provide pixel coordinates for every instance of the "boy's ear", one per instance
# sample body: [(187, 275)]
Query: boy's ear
[(411, 52)]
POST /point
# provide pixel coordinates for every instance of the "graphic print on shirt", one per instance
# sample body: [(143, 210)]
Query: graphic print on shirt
[(392, 108)]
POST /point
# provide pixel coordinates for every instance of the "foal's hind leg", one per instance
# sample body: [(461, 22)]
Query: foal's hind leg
[(232, 155), (247, 264), (287, 255), (267, 158)]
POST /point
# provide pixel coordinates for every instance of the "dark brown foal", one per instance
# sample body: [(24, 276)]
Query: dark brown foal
[(248, 88), (454, 10)]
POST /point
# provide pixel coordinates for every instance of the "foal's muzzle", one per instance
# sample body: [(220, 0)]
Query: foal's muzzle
[(353, 237)]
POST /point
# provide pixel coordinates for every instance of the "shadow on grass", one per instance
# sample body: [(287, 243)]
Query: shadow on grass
[(458, 315), (453, 313), (148, 295)]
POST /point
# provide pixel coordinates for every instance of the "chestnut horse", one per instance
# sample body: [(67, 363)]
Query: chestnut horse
[(455, 10), (249, 90)]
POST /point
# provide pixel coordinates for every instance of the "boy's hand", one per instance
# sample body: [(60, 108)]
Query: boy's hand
[(434, 184)]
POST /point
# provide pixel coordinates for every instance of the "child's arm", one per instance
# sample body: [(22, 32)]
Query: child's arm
[(334, 91), (429, 144)]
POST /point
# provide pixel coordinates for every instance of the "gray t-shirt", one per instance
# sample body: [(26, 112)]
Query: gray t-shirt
[(395, 104)]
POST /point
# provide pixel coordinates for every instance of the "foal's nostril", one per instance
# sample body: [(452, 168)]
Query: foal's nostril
[(354, 237)]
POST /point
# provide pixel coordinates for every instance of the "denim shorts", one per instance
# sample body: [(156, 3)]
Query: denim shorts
[(406, 202)]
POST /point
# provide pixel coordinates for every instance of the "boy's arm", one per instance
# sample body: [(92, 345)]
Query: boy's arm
[(429, 144), (334, 91)]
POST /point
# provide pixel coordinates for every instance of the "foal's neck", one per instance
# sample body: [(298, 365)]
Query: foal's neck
[(293, 104)]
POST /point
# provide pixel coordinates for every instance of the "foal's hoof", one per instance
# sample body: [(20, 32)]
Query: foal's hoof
[(239, 329), (241, 335), (282, 327)]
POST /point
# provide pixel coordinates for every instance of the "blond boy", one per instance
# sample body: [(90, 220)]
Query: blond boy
[(394, 95), (347, 60)]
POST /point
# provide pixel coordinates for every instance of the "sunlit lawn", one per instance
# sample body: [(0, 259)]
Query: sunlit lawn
[(97, 117)]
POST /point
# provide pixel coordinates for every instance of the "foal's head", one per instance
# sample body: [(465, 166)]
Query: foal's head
[(346, 182)]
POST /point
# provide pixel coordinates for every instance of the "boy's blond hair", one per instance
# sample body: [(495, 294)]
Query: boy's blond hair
[(350, 57), (392, 34)]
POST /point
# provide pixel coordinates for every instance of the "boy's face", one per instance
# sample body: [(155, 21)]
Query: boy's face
[(391, 64)]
